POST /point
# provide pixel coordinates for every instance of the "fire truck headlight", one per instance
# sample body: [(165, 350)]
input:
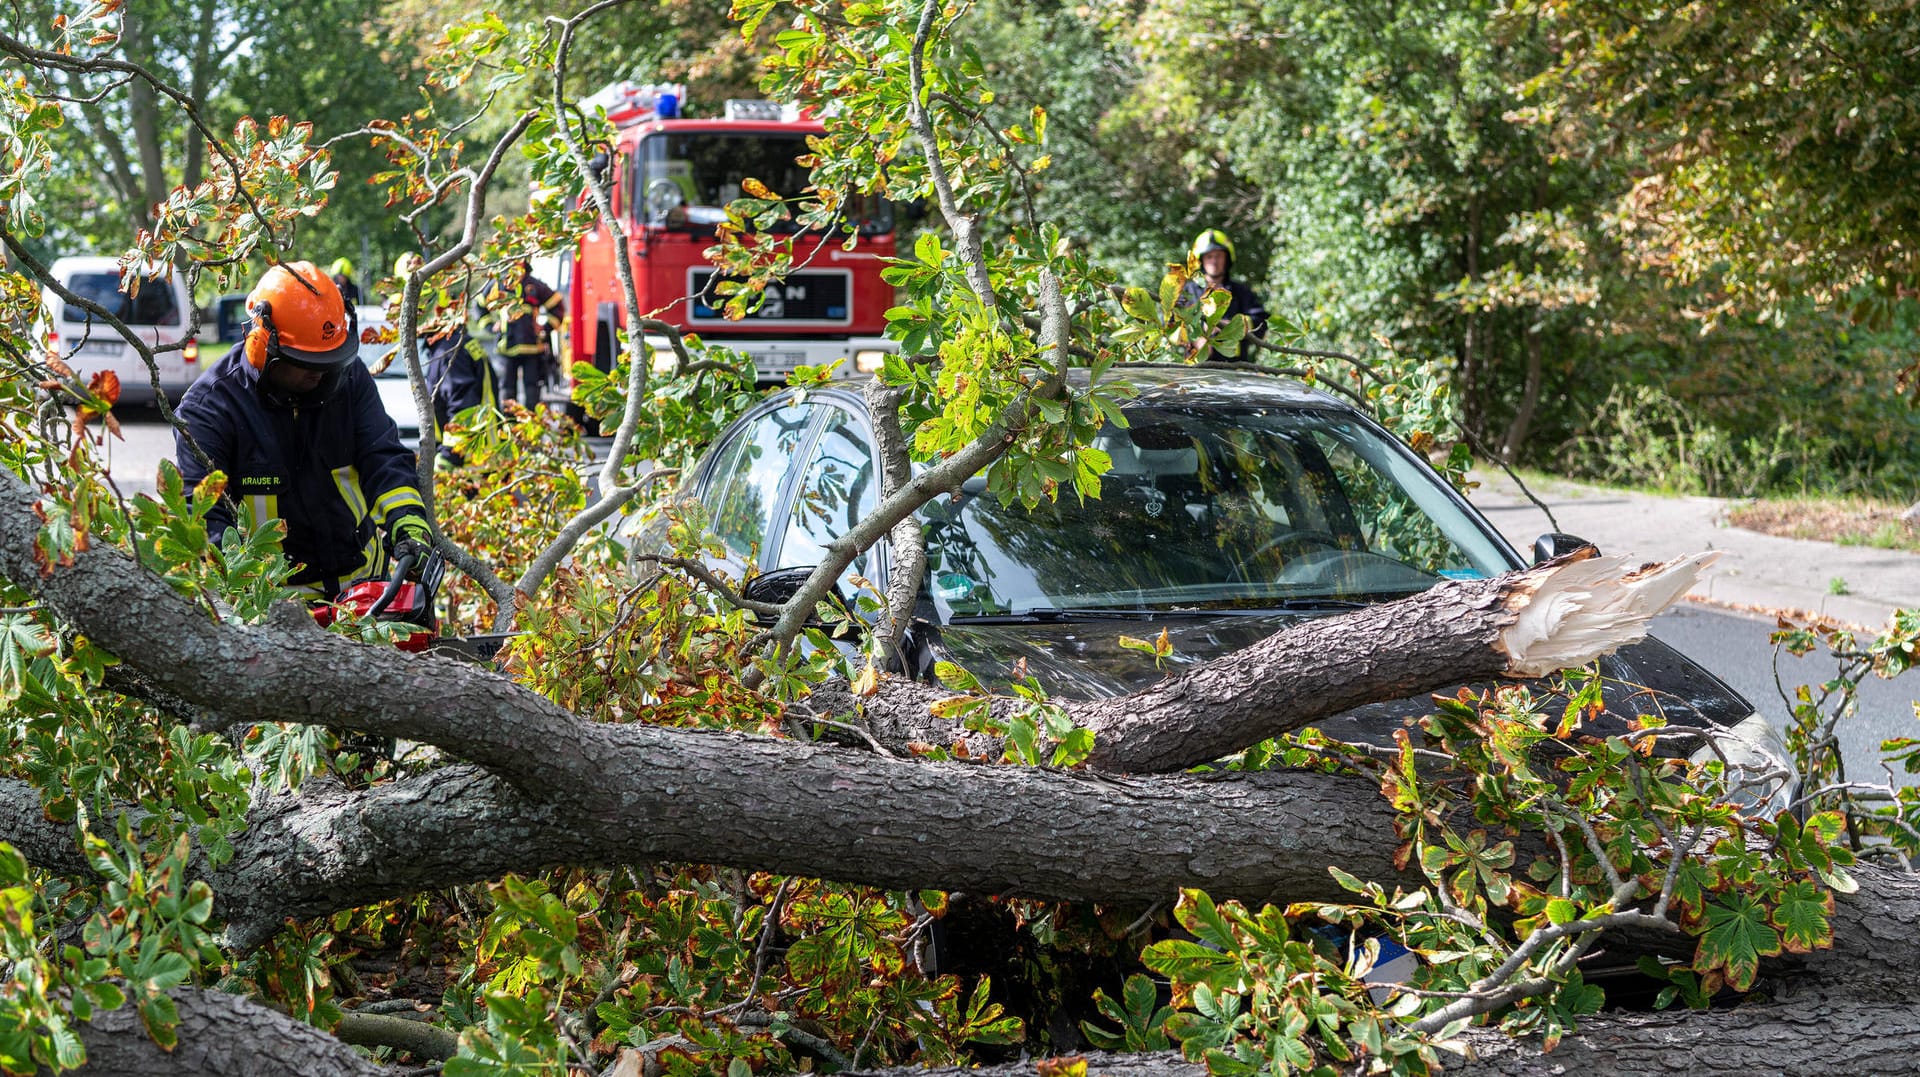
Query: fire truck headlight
[(869, 360)]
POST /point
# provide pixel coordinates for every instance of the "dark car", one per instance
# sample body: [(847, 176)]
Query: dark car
[(1238, 503)]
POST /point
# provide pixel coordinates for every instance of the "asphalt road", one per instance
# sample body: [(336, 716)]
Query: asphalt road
[(1732, 645)]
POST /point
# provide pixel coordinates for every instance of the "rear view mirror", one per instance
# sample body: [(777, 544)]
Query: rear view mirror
[(1556, 544)]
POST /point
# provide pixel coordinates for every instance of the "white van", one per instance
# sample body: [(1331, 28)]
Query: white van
[(159, 314)]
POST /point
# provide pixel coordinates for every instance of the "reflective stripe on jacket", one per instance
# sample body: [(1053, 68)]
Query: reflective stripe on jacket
[(336, 472), (460, 376)]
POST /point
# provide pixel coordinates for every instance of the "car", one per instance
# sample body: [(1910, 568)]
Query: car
[(389, 376), (158, 312), (1238, 503)]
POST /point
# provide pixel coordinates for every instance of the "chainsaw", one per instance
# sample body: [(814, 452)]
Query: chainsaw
[(408, 597)]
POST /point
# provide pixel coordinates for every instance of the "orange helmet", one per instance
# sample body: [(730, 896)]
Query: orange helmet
[(298, 316)]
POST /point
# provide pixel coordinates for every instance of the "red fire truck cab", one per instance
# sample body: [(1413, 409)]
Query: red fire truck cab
[(672, 179)]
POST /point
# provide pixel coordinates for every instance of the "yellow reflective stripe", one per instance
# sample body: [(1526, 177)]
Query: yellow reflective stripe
[(552, 301), (265, 507), (347, 481), (371, 560), (522, 349), (400, 497)]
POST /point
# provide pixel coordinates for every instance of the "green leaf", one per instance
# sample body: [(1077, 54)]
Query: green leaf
[(1737, 937), (1801, 916), (1561, 911), (1190, 962), (1200, 915)]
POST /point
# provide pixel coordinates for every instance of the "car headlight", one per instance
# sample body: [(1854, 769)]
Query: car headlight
[(1759, 772), (869, 360)]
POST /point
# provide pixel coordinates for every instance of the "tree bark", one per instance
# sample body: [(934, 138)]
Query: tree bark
[(221, 1035)]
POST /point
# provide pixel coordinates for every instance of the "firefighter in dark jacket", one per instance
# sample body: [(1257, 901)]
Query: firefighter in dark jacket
[(1212, 252), (523, 300), (292, 418), (458, 373)]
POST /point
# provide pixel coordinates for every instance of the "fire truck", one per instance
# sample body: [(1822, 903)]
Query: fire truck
[(672, 178)]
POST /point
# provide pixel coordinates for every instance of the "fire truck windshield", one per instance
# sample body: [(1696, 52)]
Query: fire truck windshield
[(686, 179)]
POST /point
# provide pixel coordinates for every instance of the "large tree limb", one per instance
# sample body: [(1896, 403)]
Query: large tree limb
[(1528, 624), (564, 790)]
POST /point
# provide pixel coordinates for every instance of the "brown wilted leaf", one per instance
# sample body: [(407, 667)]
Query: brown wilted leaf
[(60, 369), (106, 386), (757, 189), (1070, 1066)]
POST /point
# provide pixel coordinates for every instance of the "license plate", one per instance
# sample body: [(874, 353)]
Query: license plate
[(102, 347), (780, 359)]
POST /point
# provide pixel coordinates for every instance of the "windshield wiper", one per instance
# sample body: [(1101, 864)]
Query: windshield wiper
[(1050, 614), (1044, 614)]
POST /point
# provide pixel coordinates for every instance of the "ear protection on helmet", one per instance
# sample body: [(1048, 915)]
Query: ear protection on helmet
[(260, 337)]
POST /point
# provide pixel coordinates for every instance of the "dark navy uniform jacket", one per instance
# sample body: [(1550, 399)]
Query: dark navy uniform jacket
[(460, 376), (1243, 301), (335, 472), (520, 332)]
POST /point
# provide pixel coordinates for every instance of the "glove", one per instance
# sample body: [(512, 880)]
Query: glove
[(411, 536)]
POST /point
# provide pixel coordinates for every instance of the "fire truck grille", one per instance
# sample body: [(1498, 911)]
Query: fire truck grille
[(802, 297)]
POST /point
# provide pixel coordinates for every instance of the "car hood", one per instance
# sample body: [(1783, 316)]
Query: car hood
[(1084, 660)]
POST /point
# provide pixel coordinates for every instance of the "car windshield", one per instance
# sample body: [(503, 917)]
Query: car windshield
[(686, 180), (153, 306), (1254, 508)]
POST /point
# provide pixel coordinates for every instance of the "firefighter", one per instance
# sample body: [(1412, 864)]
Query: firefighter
[(1212, 251), (458, 373), (522, 304), (292, 418)]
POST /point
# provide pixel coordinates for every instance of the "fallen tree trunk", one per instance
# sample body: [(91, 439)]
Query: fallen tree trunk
[(558, 789), (548, 788)]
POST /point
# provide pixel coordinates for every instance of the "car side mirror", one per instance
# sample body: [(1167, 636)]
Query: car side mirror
[(1557, 544), (778, 587)]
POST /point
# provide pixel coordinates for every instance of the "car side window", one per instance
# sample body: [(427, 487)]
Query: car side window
[(837, 489), (744, 485)]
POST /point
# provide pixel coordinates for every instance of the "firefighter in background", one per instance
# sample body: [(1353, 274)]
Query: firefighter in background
[(458, 374), (342, 270), (1212, 251), (522, 301), (292, 418)]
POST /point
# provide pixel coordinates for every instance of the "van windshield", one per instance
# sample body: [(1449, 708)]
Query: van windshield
[(153, 306), (685, 180)]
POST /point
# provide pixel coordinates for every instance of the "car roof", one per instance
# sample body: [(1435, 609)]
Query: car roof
[(1181, 384), (86, 263)]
